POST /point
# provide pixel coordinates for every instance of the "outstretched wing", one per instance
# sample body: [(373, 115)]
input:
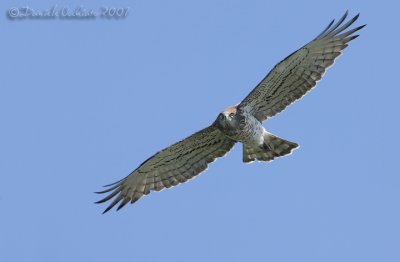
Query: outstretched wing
[(171, 166), (297, 74)]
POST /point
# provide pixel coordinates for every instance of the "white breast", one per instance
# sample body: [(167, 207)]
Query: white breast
[(253, 131)]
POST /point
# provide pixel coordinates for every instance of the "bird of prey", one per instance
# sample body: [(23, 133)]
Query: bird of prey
[(288, 81)]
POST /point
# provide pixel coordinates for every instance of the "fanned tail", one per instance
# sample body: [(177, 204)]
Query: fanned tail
[(273, 147)]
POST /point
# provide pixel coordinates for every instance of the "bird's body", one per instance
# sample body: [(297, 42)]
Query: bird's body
[(288, 81), (241, 126), (251, 132)]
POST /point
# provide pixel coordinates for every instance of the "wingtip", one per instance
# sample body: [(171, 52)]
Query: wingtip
[(343, 18), (101, 201), (101, 192), (107, 209), (124, 202)]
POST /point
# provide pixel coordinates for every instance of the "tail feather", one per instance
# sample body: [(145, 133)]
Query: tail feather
[(273, 147)]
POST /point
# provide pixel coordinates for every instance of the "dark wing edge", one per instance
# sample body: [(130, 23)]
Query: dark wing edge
[(298, 73), (171, 166)]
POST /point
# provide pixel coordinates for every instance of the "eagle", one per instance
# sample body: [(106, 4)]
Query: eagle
[(287, 82)]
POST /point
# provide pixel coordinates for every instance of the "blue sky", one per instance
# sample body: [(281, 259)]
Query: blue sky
[(84, 102)]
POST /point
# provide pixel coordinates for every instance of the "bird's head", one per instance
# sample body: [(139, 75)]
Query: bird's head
[(227, 119)]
